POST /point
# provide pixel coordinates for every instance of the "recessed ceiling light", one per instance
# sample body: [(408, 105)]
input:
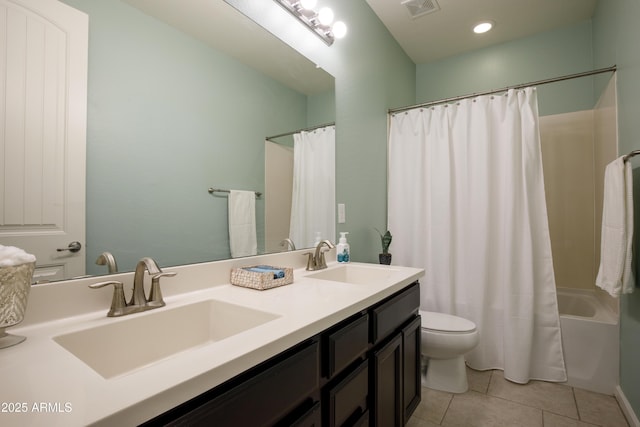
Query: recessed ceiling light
[(483, 27)]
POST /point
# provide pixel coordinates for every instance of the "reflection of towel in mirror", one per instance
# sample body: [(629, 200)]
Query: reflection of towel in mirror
[(615, 275), (242, 223)]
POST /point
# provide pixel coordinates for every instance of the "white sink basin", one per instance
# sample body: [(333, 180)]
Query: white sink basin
[(356, 274), (132, 342)]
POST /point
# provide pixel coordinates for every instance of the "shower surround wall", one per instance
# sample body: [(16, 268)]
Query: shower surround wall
[(576, 147)]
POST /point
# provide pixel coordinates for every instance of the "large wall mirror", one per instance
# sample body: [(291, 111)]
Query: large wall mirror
[(181, 95)]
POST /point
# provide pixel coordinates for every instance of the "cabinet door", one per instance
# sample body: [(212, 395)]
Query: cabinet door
[(387, 384), (411, 336)]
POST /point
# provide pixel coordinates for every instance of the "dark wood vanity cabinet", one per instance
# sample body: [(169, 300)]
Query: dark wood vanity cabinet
[(396, 389), (363, 371)]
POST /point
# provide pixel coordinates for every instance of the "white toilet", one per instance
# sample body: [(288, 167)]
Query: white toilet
[(445, 340)]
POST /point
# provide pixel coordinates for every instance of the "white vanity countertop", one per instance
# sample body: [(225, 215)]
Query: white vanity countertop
[(51, 387)]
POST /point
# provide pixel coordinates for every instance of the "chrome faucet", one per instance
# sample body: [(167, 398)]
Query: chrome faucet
[(139, 302), (288, 243), (106, 258), (316, 260)]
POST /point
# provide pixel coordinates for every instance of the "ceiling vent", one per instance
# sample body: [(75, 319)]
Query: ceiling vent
[(418, 8)]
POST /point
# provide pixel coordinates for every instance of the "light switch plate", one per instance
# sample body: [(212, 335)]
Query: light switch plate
[(342, 216)]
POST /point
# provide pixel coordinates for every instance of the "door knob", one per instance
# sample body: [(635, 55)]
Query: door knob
[(73, 247)]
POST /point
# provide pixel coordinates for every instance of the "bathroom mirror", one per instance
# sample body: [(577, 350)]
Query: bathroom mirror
[(181, 97)]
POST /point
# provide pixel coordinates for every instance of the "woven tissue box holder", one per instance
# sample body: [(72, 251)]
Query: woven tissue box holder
[(261, 281)]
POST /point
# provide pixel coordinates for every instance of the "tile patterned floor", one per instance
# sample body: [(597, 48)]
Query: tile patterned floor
[(493, 401)]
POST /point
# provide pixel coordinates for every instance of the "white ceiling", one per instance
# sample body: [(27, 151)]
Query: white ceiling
[(430, 37), (224, 28), (448, 31)]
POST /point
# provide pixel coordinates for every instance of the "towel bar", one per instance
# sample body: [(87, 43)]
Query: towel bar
[(219, 190)]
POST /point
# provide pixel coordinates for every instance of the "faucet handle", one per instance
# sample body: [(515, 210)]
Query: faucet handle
[(155, 296), (118, 303)]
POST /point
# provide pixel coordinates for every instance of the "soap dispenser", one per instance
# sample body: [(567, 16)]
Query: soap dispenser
[(343, 252)]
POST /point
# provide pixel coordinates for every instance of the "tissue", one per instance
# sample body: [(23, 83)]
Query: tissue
[(11, 256)]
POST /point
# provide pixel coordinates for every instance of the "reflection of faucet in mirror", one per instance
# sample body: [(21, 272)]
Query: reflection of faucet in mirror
[(139, 302), (288, 244), (316, 261), (106, 258)]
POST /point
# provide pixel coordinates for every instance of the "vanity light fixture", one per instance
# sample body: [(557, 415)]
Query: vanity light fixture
[(483, 27), (308, 4), (321, 23)]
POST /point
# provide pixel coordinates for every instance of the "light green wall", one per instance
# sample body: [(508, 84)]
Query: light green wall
[(546, 55), (168, 117), (616, 34), (321, 109), (373, 74)]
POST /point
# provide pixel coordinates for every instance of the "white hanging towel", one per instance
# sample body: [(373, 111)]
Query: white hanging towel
[(242, 223), (615, 275)]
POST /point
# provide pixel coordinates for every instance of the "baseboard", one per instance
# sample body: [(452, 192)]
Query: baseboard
[(627, 410)]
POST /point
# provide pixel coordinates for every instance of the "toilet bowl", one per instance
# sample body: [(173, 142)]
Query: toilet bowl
[(445, 340)]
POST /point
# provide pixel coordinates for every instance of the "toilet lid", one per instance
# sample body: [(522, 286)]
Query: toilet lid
[(445, 322)]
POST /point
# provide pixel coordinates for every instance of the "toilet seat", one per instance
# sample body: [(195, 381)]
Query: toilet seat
[(443, 322)]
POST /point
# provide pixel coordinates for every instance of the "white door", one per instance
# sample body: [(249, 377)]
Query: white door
[(43, 110)]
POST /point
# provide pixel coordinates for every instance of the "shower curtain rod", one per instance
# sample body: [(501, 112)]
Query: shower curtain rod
[(505, 89), (269, 138)]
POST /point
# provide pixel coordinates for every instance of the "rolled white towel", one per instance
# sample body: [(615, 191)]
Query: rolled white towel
[(12, 256)]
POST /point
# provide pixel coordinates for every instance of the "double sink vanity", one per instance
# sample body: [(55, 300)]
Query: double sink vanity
[(337, 346)]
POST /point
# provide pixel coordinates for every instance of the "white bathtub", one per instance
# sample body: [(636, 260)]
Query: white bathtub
[(590, 339)]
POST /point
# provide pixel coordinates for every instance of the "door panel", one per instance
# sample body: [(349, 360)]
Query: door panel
[(43, 102)]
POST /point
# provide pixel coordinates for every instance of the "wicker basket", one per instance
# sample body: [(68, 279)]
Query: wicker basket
[(260, 281), (15, 284)]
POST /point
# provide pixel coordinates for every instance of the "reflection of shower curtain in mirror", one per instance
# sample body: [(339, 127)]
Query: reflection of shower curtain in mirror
[(314, 197)]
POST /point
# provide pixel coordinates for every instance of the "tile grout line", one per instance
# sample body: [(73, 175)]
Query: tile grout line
[(575, 401), (444, 414)]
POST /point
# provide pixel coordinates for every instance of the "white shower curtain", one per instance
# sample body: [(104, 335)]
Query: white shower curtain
[(467, 204), (314, 194)]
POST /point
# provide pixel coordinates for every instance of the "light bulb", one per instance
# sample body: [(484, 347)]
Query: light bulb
[(483, 27), (308, 4), (339, 29), (325, 16)]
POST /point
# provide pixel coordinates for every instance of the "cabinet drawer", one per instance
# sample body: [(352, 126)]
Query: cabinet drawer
[(266, 397), (346, 344), (363, 421), (347, 400), (391, 314), (311, 418)]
